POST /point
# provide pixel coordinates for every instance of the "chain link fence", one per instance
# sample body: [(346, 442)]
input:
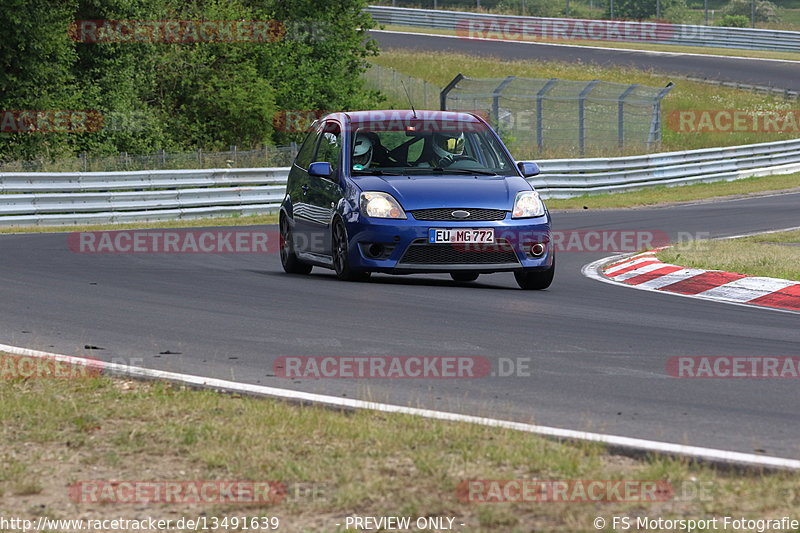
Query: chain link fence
[(267, 156), (533, 115), (393, 85)]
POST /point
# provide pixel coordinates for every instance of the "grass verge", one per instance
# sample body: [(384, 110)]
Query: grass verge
[(645, 46), (250, 220), (439, 68), (59, 431), (683, 193), (774, 255)]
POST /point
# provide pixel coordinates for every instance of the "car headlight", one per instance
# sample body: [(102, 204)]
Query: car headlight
[(381, 205), (528, 205)]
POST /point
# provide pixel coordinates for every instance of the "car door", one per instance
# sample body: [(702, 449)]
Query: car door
[(324, 193), (298, 186)]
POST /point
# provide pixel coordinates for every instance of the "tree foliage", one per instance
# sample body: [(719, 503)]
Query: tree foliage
[(178, 96), (766, 11), (672, 10)]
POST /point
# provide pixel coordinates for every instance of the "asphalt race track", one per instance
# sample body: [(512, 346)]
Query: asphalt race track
[(598, 352), (782, 74)]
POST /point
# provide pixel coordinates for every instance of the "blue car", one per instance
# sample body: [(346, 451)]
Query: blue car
[(404, 192)]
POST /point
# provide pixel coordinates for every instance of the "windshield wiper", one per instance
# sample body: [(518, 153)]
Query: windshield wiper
[(465, 171), (374, 172)]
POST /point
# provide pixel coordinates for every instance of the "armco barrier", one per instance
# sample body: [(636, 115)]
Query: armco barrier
[(50, 198), (44, 198), (678, 34), (566, 178)]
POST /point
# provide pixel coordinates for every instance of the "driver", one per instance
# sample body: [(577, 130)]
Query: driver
[(447, 148), (362, 151)]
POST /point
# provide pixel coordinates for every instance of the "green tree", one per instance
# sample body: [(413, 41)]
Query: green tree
[(646, 9), (36, 55), (734, 21), (766, 11), (183, 96)]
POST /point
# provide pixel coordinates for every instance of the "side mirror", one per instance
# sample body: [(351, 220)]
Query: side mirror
[(528, 168), (321, 169)]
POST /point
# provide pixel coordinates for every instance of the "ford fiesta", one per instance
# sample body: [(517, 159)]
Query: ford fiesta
[(402, 192)]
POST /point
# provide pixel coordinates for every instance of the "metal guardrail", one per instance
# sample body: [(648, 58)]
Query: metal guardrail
[(567, 178), (531, 28), (68, 198), (117, 197)]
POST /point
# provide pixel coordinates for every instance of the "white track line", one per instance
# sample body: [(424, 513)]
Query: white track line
[(697, 452), (633, 50), (758, 233)]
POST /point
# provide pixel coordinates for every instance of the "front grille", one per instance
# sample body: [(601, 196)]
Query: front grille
[(420, 252), (446, 214)]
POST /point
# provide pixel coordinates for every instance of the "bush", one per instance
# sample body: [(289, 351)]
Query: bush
[(766, 11), (178, 96), (532, 8), (672, 10), (734, 21)]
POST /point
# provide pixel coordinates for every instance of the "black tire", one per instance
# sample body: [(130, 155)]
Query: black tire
[(341, 262), (536, 280), (291, 264), (464, 276)]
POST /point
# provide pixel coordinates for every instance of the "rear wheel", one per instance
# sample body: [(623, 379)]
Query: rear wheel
[(291, 264), (536, 280), (341, 261), (464, 276)]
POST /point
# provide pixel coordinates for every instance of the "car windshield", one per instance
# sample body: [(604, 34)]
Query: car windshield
[(425, 146)]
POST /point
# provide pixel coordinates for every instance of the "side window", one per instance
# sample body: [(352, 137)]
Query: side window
[(306, 151), (330, 145)]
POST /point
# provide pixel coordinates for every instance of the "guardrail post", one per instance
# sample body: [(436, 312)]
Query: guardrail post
[(496, 98), (444, 92), (621, 114), (539, 123), (655, 123), (582, 115)]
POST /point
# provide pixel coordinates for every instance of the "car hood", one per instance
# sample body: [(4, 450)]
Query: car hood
[(447, 190)]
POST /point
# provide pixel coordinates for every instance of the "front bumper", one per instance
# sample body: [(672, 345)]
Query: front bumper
[(405, 247)]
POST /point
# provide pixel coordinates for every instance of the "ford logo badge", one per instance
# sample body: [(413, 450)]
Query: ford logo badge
[(460, 214)]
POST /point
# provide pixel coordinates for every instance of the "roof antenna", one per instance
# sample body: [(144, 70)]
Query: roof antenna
[(409, 98)]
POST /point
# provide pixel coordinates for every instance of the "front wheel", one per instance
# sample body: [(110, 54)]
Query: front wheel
[(291, 264), (341, 261), (536, 280)]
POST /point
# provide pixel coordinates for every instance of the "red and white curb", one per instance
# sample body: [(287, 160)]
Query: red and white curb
[(645, 271)]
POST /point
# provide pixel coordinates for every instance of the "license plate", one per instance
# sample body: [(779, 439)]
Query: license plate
[(460, 235)]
